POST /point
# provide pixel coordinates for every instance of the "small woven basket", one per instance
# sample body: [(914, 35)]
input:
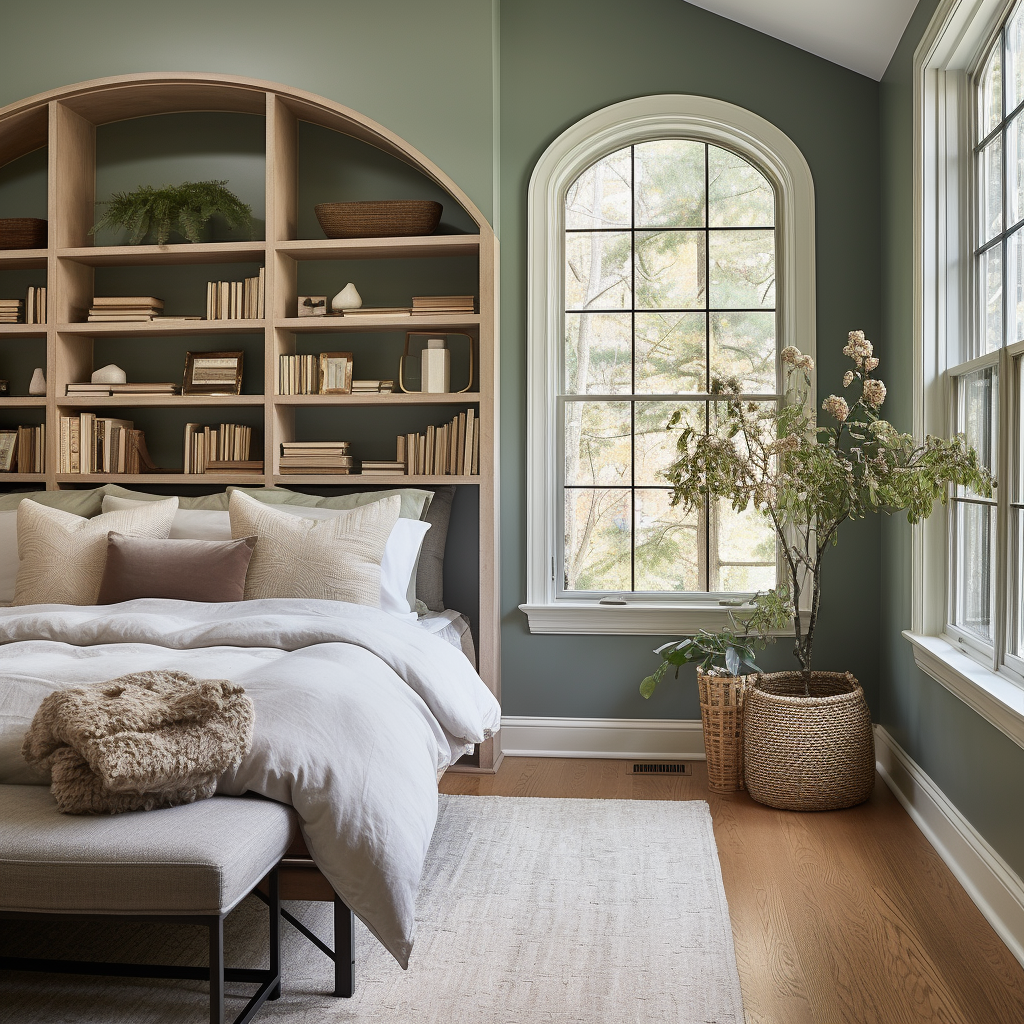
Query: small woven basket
[(721, 714), (813, 753), (390, 218), (22, 233)]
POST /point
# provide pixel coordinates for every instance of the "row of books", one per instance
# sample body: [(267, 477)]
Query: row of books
[(30, 310), (109, 390), (320, 457), (449, 450), (114, 309), (431, 305), (372, 387), (237, 300), (22, 449), (100, 444), (298, 375), (221, 449)]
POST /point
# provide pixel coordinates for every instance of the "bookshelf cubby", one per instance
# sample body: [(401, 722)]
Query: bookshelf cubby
[(62, 151)]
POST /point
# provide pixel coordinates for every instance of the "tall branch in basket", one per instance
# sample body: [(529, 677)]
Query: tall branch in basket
[(808, 480)]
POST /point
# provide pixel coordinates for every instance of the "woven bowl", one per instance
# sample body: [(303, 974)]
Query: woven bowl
[(22, 233), (388, 218), (813, 753)]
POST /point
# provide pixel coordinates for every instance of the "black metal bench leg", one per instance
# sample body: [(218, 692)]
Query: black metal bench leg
[(275, 933), (217, 970), (344, 949)]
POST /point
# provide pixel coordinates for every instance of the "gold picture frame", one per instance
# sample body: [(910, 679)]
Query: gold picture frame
[(335, 373), (213, 373), (8, 450)]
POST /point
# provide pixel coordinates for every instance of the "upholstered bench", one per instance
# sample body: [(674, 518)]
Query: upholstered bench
[(189, 864)]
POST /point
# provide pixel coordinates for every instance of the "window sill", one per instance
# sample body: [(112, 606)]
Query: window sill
[(639, 618), (995, 698)]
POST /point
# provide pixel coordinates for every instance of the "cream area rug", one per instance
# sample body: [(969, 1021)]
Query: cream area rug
[(532, 910)]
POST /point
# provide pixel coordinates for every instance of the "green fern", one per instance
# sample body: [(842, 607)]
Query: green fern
[(185, 208)]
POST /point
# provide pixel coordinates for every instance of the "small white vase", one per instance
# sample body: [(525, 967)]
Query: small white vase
[(37, 386), (109, 374), (347, 298)]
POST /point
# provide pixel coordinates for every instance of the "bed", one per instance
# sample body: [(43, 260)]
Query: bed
[(358, 713)]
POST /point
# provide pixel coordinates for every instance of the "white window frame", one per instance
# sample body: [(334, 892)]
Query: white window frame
[(956, 38), (613, 128)]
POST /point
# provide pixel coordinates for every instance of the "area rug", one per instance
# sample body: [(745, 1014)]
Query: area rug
[(531, 910)]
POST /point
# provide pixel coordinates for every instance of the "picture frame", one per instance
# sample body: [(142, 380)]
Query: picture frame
[(335, 373), (312, 305), (8, 450), (213, 373)]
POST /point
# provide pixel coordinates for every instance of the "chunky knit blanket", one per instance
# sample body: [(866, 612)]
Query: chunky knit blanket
[(144, 740)]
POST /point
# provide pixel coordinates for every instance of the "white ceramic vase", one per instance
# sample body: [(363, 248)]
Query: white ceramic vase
[(347, 298), (37, 386)]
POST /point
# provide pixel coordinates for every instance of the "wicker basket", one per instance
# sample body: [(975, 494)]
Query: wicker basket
[(389, 218), (721, 714), (22, 233), (812, 753)]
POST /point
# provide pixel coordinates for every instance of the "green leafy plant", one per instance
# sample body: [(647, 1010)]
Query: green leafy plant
[(185, 208), (807, 480), (726, 652)]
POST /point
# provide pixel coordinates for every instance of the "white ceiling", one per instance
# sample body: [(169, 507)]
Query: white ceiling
[(858, 34)]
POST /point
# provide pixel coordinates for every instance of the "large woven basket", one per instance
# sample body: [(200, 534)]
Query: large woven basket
[(813, 753), (388, 218), (721, 714), (22, 233)]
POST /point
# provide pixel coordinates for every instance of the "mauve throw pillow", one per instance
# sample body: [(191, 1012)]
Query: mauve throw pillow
[(180, 570)]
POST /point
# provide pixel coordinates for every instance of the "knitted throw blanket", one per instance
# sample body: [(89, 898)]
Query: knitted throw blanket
[(145, 740)]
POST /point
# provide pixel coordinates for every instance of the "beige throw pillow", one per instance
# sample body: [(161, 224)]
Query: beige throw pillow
[(335, 559), (62, 555)]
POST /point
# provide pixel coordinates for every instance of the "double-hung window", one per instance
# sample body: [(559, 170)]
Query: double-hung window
[(664, 254)]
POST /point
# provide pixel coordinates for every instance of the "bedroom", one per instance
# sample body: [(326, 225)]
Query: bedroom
[(482, 90)]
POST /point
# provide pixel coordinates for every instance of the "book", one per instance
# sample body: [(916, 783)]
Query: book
[(318, 471), (121, 300)]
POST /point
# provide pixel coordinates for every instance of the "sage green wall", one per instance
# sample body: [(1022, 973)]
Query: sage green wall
[(561, 61), (972, 762)]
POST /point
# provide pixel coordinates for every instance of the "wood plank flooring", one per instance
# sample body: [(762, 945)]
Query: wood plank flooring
[(848, 916)]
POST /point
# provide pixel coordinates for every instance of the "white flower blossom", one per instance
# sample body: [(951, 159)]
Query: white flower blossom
[(858, 348), (871, 363), (805, 362), (790, 354), (836, 407), (847, 378), (874, 392)]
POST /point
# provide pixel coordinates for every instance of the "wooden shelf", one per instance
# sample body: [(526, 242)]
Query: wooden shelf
[(23, 402), (157, 401), (24, 478), (391, 480), (159, 328), (381, 248), (161, 479), (23, 259), (22, 330), (355, 324), (396, 398), (166, 255)]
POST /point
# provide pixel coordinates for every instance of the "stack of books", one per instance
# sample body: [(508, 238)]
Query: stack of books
[(109, 390), (35, 305), (10, 311), (237, 300), (316, 457), (382, 467), (298, 375), (434, 305), (449, 450), (96, 444), (31, 445), (220, 449), (113, 309), (394, 312), (372, 387)]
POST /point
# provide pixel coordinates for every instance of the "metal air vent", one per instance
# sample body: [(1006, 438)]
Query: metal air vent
[(661, 768)]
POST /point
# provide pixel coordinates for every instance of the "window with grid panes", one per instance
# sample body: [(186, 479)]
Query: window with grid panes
[(669, 281)]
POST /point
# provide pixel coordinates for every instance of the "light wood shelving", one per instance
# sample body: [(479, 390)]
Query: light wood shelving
[(65, 121)]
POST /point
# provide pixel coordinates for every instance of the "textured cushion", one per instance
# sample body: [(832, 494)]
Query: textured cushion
[(430, 572), (80, 503), (200, 858), (334, 559), (189, 523), (414, 501), (179, 570), (62, 555), (218, 501)]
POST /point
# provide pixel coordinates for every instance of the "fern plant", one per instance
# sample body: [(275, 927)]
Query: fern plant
[(185, 208)]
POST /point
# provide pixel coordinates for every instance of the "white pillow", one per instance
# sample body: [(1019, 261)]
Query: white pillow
[(8, 555), (189, 523), (336, 559), (62, 555), (397, 567)]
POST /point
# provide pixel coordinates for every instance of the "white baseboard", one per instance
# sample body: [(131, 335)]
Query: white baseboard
[(673, 739), (994, 886)]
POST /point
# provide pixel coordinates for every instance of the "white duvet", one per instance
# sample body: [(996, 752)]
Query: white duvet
[(356, 715)]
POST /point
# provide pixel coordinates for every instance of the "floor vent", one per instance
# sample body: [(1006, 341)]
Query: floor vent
[(662, 768)]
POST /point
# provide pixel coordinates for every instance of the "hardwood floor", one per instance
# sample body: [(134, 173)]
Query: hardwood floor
[(847, 916)]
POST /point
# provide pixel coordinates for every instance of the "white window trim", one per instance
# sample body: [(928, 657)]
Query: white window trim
[(605, 131), (942, 257)]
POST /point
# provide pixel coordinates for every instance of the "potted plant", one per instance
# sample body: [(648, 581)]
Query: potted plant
[(720, 658), (807, 734), (185, 208)]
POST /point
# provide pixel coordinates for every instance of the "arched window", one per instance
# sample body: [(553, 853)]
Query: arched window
[(666, 251)]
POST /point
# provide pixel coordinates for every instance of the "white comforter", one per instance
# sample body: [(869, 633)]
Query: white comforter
[(356, 714)]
